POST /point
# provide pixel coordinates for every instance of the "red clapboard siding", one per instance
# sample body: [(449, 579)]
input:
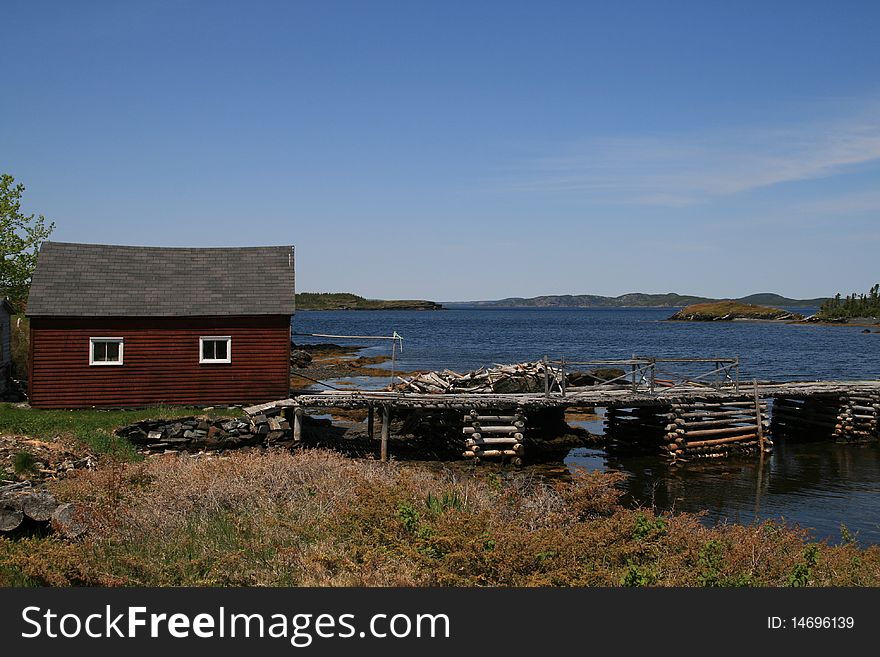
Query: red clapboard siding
[(161, 361)]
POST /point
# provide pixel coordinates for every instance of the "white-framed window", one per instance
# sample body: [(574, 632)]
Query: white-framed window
[(215, 349), (105, 351)]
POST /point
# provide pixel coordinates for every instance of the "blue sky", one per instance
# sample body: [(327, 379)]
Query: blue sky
[(462, 150)]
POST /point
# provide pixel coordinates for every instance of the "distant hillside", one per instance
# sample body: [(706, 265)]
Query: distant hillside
[(347, 301), (634, 300)]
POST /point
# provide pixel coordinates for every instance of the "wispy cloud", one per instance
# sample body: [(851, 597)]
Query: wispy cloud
[(687, 168)]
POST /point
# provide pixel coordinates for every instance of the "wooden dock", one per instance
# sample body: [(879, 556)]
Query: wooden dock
[(691, 418)]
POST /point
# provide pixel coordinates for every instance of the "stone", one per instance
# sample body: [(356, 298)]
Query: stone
[(300, 358)]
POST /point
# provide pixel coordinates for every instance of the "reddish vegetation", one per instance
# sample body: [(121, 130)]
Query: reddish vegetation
[(315, 518)]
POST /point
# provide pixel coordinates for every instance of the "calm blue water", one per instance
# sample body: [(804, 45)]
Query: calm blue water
[(818, 486), (467, 339)]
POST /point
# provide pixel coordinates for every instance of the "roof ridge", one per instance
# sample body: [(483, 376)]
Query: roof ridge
[(176, 248)]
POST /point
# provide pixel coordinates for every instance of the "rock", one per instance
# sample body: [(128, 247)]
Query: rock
[(154, 435), (299, 358)]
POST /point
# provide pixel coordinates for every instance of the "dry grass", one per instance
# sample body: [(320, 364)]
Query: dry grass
[(317, 519)]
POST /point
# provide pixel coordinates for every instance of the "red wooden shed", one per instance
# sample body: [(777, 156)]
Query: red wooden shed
[(119, 326)]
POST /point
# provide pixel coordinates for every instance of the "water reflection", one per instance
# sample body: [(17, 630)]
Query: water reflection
[(818, 486)]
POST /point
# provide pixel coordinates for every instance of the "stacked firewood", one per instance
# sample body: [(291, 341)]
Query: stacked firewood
[(518, 378)]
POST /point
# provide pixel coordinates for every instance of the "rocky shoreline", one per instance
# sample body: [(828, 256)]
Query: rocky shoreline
[(311, 363)]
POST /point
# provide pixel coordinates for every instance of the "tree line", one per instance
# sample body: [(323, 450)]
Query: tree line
[(852, 305)]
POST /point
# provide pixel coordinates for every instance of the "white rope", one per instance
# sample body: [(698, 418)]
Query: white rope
[(395, 336)]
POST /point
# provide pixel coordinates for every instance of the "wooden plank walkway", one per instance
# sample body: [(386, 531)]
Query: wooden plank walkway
[(682, 420), (592, 396)]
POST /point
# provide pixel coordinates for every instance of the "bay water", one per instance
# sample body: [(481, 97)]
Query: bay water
[(819, 486)]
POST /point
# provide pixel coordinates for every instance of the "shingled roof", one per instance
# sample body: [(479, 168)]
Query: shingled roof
[(102, 280)]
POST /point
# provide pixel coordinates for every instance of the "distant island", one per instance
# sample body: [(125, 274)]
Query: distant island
[(634, 300), (347, 301), (726, 311), (854, 308)]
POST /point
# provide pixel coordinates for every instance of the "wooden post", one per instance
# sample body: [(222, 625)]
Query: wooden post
[(386, 428), (370, 422), (393, 355), (546, 378), (297, 424), (758, 419)]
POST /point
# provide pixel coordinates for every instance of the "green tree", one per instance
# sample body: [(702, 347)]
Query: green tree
[(20, 239)]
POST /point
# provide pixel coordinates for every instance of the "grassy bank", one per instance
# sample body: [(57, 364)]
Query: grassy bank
[(91, 428), (315, 518)]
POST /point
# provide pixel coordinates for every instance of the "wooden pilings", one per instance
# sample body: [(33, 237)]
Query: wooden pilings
[(493, 435), (851, 417), (703, 429), (812, 418), (386, 432), (857, 420), (640, 428), (297, 424)]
